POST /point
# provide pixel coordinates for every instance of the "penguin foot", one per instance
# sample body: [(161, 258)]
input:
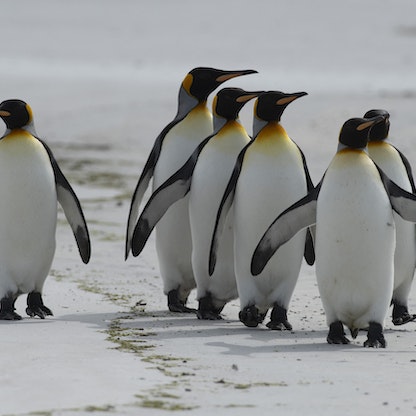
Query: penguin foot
[(278, 319), (375, 337), (7, 309), (9, 316), (35, 306), (250, 316), (207, 310), (177, 305), (336, 334), (401, 315)]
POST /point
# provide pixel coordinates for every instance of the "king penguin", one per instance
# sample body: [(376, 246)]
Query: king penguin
[(204, 176), (31, 183), (270, 173), (352, 207), (173, 146), (396, 166)]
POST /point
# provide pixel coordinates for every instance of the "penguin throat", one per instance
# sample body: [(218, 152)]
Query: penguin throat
[(186, 103), (219, 123), (258, 125), (342, 146)]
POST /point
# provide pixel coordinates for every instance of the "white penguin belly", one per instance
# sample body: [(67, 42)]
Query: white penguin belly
[(209, 180), (173, 234), (28, 213), (269, 182), (355, 240)]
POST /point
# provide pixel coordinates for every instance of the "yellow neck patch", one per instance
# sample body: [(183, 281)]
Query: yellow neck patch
[(271, 131)]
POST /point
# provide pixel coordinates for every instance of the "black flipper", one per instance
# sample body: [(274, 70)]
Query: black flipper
[(403, 202), (298, 216), (309, 253), (408, 169), (72, 208), (144, 180), (225, 205), (173, 189)]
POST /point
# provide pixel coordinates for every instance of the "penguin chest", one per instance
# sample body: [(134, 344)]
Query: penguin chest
[(213, 170), (180, 142), (28, 203), (355, 236), (271, 179)]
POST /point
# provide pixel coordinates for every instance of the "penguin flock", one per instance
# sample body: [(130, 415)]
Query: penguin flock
[(234, 215)]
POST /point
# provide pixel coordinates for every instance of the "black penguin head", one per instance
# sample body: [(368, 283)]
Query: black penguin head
[(201, 81), (380, 131), (15, 113), (354, 133), (229, 101), (271, 104)]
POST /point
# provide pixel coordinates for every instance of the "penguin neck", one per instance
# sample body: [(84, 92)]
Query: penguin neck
[(186, 103), (219, 123), (30, 128), (342, 146), (258, 125)]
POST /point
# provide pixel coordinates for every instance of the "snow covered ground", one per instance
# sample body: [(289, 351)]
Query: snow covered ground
[(102, 78)]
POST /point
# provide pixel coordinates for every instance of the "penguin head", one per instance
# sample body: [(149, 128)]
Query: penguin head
[(271, 104), (269, 107), (380, 131), (355, 131), (16, 114), (201, 81), (229, 101)]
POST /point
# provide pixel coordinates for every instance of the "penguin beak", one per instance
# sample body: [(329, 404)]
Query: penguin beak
[(249, 96), (233, 74), (290, 97), (4, 113), (370, 122)]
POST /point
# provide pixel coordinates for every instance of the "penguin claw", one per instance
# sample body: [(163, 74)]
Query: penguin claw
[(179, 308), (375, 338), (338, 340), (377, 343), (404, 319), (35, 306), (177, 305), (279, 326), (278, 319), (336, 334), (208, 315), (10, 316), (41, 312), (207, 310), (250, 316)]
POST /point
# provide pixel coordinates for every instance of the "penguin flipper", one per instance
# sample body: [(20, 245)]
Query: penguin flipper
[(309, 252), (403, 202), (408, 168), (300, 215), (172, 190), (143, 183), (224, 207), (72, 209)]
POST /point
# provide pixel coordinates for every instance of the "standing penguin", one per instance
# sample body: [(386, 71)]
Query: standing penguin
[(355, 236), (270, 174), (31, 183), (205, 176), (173, 146), (396, 166)]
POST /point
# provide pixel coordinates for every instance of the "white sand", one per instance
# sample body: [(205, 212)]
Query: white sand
[(102, 78)]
